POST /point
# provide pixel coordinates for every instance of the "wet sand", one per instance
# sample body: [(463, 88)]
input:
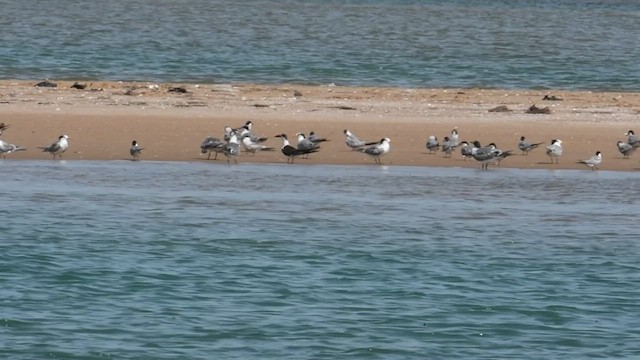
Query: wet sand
[(103, 118)]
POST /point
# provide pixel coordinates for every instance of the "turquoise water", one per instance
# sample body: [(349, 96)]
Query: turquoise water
[(564, 44), (159, 260)]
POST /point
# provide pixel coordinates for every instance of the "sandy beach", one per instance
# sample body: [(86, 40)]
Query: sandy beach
[(103, 118)]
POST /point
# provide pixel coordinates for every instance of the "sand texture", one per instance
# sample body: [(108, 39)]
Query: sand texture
[(103, 118)]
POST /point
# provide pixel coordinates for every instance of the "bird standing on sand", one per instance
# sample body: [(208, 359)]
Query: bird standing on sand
[(135, 150), (378, 149), (314, 138), (245, 131), (554, 151), (455, 137), (625, 149), (466, 150), (447, 146), (291, 152), (212, 144), (632, 139), (593, 162), (252, 146), (232, 149), (525, 146), (432, 144), (305, 144), (58, 147), (353, 141), (489, 154), (6, 148)]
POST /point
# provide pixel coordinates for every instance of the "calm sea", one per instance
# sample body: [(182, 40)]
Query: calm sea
[(160, 260), (564, 44)]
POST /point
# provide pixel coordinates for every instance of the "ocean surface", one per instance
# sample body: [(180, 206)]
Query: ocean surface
[(161, 260), (561, 44)]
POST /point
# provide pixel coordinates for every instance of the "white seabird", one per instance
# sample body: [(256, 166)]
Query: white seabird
[(625, 149), (212, 144), (466, 150), (58, 147), (252, 146), (447, 146), (232, 149), (455, 137), (305, 144), (525, 146), (432, 144), (353, 141), (314, 138), (593, 162), (291, 152), (377, 150), (246, 131), (554, 151), (7, 148), (135, 150), (489, 154), (632, 139)]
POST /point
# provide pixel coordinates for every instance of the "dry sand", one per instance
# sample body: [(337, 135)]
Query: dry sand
[(105, 117)]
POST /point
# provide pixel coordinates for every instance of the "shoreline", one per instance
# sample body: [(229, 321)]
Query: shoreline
[(105, 117)]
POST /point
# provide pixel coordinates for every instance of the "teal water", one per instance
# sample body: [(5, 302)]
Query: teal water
[(560, 44), (157, 260)]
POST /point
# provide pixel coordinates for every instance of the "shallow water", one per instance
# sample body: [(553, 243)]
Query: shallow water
[(564, 44), (161, 260)]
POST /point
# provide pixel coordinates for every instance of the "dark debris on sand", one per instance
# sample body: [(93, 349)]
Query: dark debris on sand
[(501, 108), (536, 110), (46, 83)]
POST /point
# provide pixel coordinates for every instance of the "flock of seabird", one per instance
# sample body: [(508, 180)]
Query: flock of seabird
[(229, 145), (490, 154)]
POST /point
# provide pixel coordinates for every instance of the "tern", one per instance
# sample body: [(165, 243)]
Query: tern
[(58, 147), (466, 150), (228, 131), (625, 149), (252, 146), (632, 139), (447, 146), (6, 148), (379, 149), (554, 151), (305, 144), (354, 142), (246, 131), (593, 162), (454, 138), (232, 149), (291, 152), (135, 150), (432, 144), (212, 144), (314, 138), (489, 154), (525, 146)]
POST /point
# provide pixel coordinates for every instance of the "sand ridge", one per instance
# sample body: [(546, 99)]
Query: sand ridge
[(171, 120)]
